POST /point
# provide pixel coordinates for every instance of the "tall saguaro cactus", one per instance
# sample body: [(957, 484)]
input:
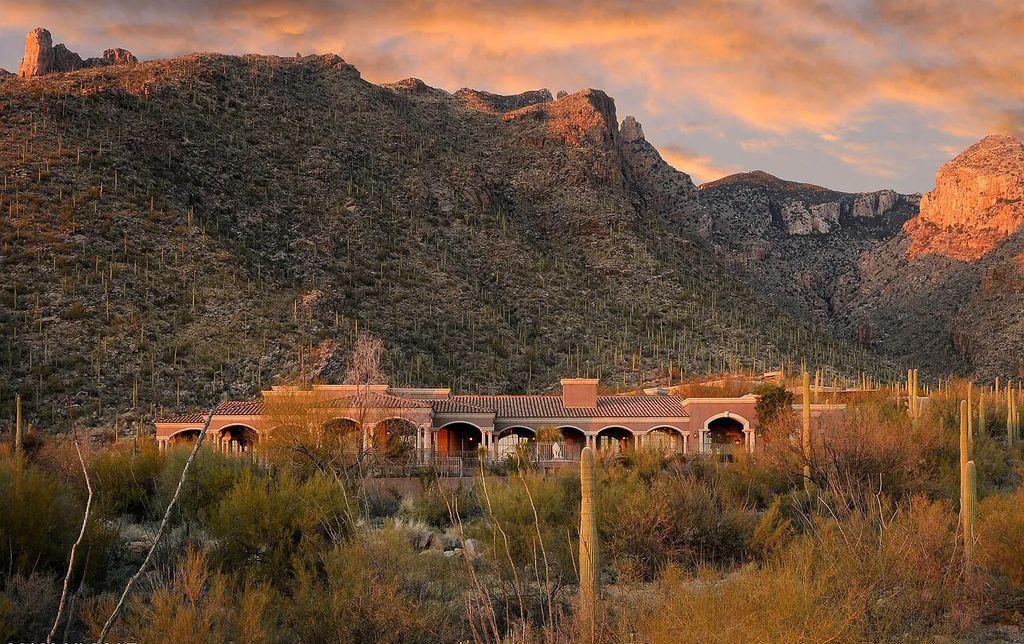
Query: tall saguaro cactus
[(964, 446), (969, 510), (17, 424), (589, 571), (805, 432)]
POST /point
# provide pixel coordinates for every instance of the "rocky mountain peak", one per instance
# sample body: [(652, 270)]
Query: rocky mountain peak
[(977, 202), (43, 57), (631, 131)]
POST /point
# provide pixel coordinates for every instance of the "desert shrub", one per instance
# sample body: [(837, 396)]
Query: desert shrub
[(39, 517), (675, 518), (27, 606), (195, 604), (1000, 534), (891, 575), (436, 505), (376, 588), (533, 521), (210, 478), (379, 504), (125, 481), (262, 523)]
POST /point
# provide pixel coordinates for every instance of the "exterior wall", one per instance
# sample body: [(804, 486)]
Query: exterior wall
[(433, 432)]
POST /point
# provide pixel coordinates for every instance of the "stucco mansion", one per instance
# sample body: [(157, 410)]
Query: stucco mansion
[(434, 421)]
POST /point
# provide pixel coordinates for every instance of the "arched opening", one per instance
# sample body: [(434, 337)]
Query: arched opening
[(573, 436), (395, 437), (667, 440), (344, 433), (513, 439), (615, 440), (239, 438), (725, 435), (459, 438), (184, 437)]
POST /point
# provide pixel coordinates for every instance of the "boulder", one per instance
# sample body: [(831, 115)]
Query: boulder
[(118, 56), (473, 548)]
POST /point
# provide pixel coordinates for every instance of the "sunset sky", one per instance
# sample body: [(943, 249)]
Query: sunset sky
[(851, 95)]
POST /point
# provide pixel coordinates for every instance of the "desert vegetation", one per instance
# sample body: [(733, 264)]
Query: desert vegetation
[(864, 540)]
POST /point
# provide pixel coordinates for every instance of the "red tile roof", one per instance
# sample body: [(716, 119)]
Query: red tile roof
[(239, 408), (191, 417), (375, 400), (552, 407)]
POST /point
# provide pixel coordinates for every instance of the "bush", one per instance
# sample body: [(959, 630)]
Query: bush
[(876, 577), (263, 523)]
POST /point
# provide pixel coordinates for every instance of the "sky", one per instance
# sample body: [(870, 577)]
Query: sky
[(854, 95)]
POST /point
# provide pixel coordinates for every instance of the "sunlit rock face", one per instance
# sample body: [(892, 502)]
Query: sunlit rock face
[(976, 203), (39, 58)]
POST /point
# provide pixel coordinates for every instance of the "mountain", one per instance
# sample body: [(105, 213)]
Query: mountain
[(937, 284), (177, 229)]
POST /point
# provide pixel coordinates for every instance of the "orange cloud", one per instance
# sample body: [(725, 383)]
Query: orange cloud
[(700, 167)]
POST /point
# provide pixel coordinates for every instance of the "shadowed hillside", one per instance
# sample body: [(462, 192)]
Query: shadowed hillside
[(181, 227)]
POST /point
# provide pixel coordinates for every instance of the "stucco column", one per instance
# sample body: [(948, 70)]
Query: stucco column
[(488, 440), (750, 440), (686, 442)]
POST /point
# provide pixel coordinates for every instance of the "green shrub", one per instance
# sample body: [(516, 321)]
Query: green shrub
[(263, 523)]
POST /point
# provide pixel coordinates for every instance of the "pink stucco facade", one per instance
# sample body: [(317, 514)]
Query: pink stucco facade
[(435, 421)]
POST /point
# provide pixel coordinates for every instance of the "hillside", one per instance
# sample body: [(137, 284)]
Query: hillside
[(180, 228)]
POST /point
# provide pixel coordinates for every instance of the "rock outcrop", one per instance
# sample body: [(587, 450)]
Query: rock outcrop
[(118, 56), (670, 192), (43, 57), (39, 56), (978, 201), (797, 208), (498, 103)]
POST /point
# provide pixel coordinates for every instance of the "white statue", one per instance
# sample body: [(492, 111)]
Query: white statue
[(556, 451)]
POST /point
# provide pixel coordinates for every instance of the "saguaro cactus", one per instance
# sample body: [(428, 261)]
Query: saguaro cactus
[(805, 432), (589, 571), (17, 424), (964, 455), (969, 509)]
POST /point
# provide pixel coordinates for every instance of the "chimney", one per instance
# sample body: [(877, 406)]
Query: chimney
[(579, 392)]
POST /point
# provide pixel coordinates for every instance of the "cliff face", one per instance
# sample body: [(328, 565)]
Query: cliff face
[(978, 201)]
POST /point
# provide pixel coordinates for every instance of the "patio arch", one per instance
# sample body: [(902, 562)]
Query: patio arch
[(239, 436), (615, 439), (667, 439), (724, 432), (511, 438), (459, 436)]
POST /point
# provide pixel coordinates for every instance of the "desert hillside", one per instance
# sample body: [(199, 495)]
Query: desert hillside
[(176, 229)]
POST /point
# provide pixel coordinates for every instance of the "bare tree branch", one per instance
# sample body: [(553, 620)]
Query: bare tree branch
[(81, 533)]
